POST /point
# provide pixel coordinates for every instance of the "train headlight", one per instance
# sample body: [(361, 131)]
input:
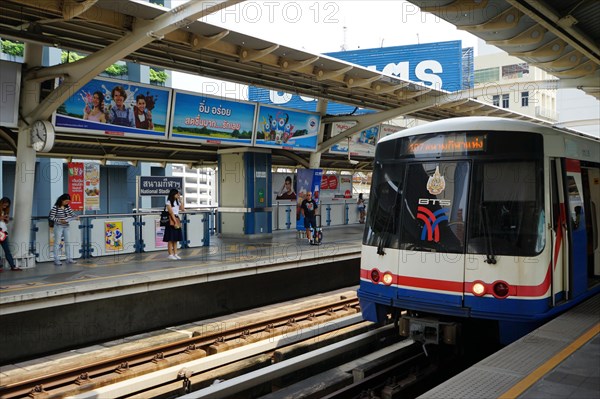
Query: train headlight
[(478, 288), (501, 289), (387, 278), (375, 276)]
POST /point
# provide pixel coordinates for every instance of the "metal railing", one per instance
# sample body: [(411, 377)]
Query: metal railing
[(96, 235)]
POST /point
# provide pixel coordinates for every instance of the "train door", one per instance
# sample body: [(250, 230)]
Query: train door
[(576, 225), (559, 244), (591, 190)]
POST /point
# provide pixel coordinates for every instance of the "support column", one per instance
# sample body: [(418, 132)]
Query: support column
[(315, 157), (25, 165), (245, 208)]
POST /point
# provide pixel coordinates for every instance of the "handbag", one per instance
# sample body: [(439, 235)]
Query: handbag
[(164, 217), (3, 231)]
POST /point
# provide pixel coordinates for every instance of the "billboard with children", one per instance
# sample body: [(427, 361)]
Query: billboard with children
[(106, 106), (286, 128)]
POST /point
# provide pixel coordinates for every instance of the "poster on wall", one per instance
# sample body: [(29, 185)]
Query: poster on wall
[(91, 191), (285, 128), (75, 185), (386, 130), (345, 187), (159, 232), (335, 185), (361, 143), (283, 187), (212, 120), (115, 107), (113, 235), (307, 180)]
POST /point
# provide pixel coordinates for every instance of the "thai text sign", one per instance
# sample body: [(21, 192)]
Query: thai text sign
[(76, 183), (159, 185), (212, 120)]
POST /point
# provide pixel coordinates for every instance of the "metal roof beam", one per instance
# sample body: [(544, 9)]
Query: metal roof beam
[(80, 72)]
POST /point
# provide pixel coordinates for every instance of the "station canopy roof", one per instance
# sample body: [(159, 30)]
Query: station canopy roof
[(207, 50), (561, 37)]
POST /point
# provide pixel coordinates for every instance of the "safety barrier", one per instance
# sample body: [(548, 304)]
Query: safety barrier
[(124, 233), (117, 234), (334, 213)]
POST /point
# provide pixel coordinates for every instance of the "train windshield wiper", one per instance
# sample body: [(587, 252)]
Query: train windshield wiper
[(489, 249), (380, 245)]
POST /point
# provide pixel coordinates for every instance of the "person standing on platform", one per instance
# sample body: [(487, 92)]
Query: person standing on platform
[(61, 214), (173, 232), (309, 210), (360, 205), (4, 218)]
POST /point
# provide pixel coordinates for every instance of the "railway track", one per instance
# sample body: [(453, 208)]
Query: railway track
[(75, 381)]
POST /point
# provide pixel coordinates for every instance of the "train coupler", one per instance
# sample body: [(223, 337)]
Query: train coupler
[(429, 331)]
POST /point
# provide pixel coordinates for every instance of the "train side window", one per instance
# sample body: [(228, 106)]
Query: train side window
[(384, 206), (506, 209)]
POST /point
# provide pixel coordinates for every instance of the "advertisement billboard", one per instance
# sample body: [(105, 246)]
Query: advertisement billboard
[(361, 143), (113, 107), (436, 65), (286, 128), (212, 120)]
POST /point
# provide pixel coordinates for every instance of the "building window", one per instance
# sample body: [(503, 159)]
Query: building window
[(487, 75), (496, 100), (515, 71), (524, 99), (505, 100)]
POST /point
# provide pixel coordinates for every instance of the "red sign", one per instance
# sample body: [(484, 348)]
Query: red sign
[(329, 182), (76, 185), (332, 182)]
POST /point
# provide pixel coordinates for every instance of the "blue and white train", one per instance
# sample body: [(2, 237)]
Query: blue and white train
[(480, 218)]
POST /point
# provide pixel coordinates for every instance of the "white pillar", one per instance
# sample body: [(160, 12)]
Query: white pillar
[(315, 157), (25, 164)]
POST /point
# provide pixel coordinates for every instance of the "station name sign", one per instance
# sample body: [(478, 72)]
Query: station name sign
[(159, 185)]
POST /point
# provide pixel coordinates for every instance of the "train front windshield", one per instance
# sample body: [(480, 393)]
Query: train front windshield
[(474, 192)]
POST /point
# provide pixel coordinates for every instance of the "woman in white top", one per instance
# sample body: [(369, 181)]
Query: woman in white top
[(173, 232)]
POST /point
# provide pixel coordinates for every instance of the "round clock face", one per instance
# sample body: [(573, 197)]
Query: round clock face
[(42, 136)]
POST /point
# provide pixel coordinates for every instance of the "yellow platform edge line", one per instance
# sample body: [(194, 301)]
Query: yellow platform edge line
[(551, 363)]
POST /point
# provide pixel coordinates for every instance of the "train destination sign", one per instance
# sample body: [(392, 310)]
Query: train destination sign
[(448, 143)]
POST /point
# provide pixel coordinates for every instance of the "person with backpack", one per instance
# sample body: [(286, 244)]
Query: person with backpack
[(61, 214), (120, 114)]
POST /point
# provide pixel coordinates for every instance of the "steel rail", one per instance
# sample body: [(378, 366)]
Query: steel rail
[(82, 375)]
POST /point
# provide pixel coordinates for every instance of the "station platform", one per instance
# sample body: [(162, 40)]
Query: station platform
[(120, 295), (47, 285), (561, 359)]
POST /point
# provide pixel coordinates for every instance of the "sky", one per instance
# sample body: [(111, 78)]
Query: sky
[(327, 26)]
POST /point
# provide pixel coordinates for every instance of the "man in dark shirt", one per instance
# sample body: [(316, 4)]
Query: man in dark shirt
[(309, 209)]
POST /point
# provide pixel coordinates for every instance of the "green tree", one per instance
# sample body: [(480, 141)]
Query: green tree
[(158, 77), (12, 48)]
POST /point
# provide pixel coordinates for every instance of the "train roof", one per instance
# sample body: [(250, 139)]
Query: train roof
[(483, 123)]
